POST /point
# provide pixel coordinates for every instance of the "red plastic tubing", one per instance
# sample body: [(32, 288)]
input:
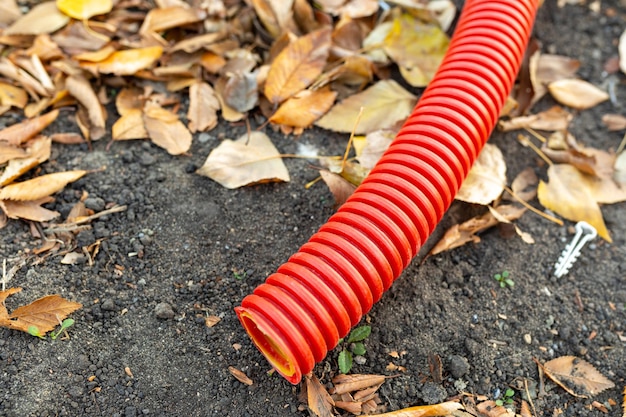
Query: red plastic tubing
[(302, 310)]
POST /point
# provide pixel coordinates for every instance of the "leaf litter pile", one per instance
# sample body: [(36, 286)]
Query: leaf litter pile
[(166, 70)]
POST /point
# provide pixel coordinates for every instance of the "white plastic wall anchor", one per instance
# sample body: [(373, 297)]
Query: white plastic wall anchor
[(584, 233)]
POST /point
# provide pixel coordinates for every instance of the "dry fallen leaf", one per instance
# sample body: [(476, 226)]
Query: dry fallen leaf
[(576, 376), (44, 314), (126, 62), (12, 96), (80, 88), (491, 409), (165, 129), (304, 108), (568, 195), (161, 19), (84, 9), (576, 93), (129, 126), (20, 132), (384, 104), (297, 66), (275, 15), (241, 377), (42, 18), (247, 160), (39, 187), (318, 399), (614, 121), (9, 11), (434, 410), (203, 107), (28, 210), (521, 184), (622, 52), (376, 143), (487, 178), (554, 119), (339, 186)]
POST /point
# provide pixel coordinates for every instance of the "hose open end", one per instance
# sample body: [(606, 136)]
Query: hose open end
[(270, 343)]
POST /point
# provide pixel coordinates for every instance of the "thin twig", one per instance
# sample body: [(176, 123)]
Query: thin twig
[(533, 209), (86, 219)]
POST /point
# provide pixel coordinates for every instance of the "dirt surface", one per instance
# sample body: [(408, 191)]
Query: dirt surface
[(179, 248)]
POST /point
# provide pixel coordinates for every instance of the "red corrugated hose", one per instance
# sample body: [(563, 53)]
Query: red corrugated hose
[(302, 310)]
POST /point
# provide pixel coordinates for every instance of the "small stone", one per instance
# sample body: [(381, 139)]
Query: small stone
[(108, 305), (528, 339), (164, 311), (94, 203), (433, 393), (458, 366), (85, 238), (147, 159)]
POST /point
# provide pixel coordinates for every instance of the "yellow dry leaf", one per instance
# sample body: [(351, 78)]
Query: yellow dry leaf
[(28, 210), (203, 107), (304, 108), (12, 96), (84, 9), (576, 93), (39, 187), (318, 399), (96, 56), (166, 130), (8, 152), (130, 126), (126, 62), (80, 88), (487, 178), (42, 18), (568, 194), (158, 20), (130, 98), (434, 410), (275, 15), (248, 160), (384, 104), (576, 376), (20, 132), (297, 66), (44, 313), (16, 168), (417, 47)]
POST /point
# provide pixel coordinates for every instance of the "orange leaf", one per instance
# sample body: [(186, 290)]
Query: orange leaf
[(39, 187), (433, 410), (319, 401), (21, 132), (84, 9), (165, 130), (126, 62), (297, 66), (576, 376), (12, 96), (81, 90), (28, 210), (203, 107), (45, 313), (130, 126), (304, 108), (158, 20)]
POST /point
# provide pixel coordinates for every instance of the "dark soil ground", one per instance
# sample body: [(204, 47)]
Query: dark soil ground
[(184, 239)]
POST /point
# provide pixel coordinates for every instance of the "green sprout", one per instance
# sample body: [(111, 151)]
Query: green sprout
[(67, 323), (355, 347), (504, 279), (34, 331), (240, 275), (507, 398)]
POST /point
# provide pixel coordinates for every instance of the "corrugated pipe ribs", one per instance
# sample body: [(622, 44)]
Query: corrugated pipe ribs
[(313, 300)]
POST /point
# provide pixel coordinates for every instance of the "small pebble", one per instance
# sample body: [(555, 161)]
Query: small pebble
[(108, 305), (164, 311), (528, 339), (94, 203), (458, 366)]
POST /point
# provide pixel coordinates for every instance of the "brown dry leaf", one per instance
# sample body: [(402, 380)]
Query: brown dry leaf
[(203, 107), (84, 9), (352, 8), (384, 104), (12, 96), (28, 210), (339, 186), (8, 152), (304, 108), (16, 168), (80, 88), (554, 119), (240, 376), (9, 12), (487, 178), (211, 321), (546, 68), (42, 18), (247, 160), (128, 99), (228, 113), (44, 314), (67, 138), (568, 194), (158, 20), (318, 399), (434, 410), (491, 409), (39, 187), (20, 132), (355, 382), (127, 62), (129, 126), (460, 234), (297, 66), (521, 184), (576, 376), (240, 90), (614, 121), (417, 47), (588, 160), (576, 93), (275, 15), (165, 129), (376, 143)]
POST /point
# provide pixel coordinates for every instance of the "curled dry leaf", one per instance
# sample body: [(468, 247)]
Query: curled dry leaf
[(158, 20), (491, 409), (339, 186), (165, 130), (28, 210), (614, 121), (442, 409), (487, 178), (203, 107), (84, 9), (376, 143), (80, 88), (9, 12), (384, 104), (20, 132), (568, 194), (304, 108), (44, 313), (12, 96), (247, 160), (318, 399), (39, 187), (240, 376), (126, 62), (576, 376), (521, 184), (352, 8), (554, 119), (275, 15), (576, 93), (42, 18), (129, 126), (297, 66), (241, 91)]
